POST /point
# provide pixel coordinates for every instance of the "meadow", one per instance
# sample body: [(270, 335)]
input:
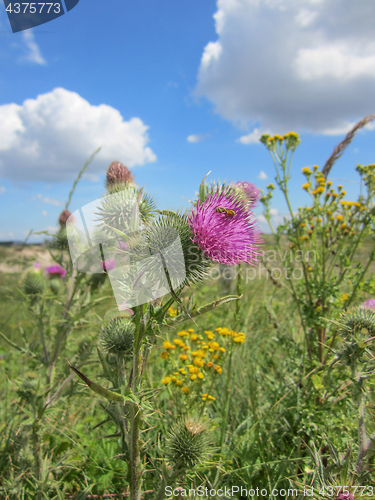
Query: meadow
[(255, 380)]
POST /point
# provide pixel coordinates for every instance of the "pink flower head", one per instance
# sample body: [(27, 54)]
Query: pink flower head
[(251, 192), (37, 265), (228, 236), (369, 304), (123, 307), (109, 264), (123, 245), (55, 271), (345, 496)]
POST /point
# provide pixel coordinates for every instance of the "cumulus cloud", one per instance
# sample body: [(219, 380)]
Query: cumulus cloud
[(197, 137), (33, 55), (252, 138), (304, 65), (2, 189), (262, 175), (50, 138), (45, 213)]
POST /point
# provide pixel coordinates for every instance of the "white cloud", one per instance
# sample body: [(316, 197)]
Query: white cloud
[(50, 138), (46, 199), (304, 65), (252, 138), (2, 189), (45, 213), (34, 55), (262, 175), (197, 137)]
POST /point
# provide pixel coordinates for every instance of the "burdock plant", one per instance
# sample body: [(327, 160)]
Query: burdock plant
[(166, 251)]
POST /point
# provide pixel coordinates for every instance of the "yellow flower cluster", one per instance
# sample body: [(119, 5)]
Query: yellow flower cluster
[(194, 357), (172, 312)]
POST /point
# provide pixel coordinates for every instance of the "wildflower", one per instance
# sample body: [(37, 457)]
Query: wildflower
[(210, 364), (178, 382), (306, 171), (182, 333), (192, 376), (185, 389), (345, 496), (64, 216), (179, 342), (200, 375), (306, 186), (164, 355), (184, 357), (198, 361), (270, 187), (191, 330), (250, 192), (168, 345), (315, 167), (227, 239), (369, 304), (172, 312), (126, 309), (218, 369), (55, 271), (339, 217), (345, 297), (166, 380), (109, 264)]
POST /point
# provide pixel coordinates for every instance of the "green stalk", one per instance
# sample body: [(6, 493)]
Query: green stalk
[(372, 256), (135, 417)]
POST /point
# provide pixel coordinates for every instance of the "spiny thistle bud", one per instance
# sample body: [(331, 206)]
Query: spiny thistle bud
[(64, 216), (55, 285), (118, 177), (360, 320), (33, 283), (27, 390), (160, 238), (345, 496), (60, 240), (189, 443), (120, 210), (117, 336)]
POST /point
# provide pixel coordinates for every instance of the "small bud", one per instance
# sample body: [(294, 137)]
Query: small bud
[(64, 216), (33, 282), (118, 175), (189, 443), (117, 336)]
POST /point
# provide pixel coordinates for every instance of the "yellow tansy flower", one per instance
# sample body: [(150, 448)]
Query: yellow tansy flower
[(185, 390)]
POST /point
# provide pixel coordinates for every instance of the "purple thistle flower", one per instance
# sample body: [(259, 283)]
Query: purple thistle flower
[(37, 265), (345, 496), (251, 192), (369, 304), (109, 264), (227, 238), (55, 271)]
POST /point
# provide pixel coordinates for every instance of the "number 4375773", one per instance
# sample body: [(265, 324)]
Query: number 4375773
[(33, 8)]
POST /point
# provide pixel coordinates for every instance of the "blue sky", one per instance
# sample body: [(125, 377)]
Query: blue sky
[(174, 89)]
